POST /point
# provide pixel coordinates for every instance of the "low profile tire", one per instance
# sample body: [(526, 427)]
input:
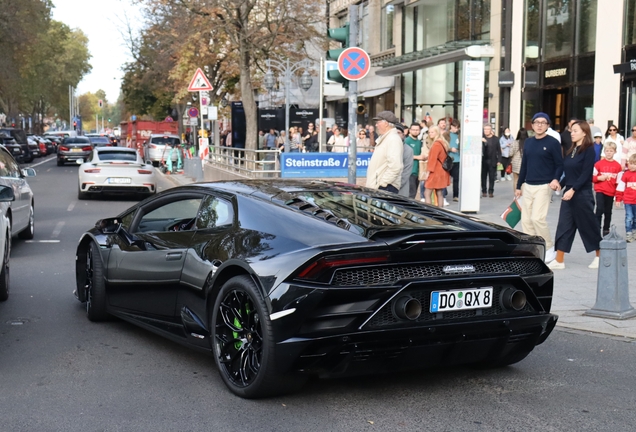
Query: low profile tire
[(60, 162), (243, 342), (29, 232), (94, 285), (4, 271)]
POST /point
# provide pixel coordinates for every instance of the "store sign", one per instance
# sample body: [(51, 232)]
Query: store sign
[(554, 73), (623, 68), (531, 79), (506, 78)]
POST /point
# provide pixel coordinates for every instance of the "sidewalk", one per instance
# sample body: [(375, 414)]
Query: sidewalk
[(574, 287)]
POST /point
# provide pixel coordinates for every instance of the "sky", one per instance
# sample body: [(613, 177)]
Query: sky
[(103, 22)]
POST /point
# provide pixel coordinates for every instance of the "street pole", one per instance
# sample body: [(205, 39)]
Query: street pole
[(70, 106), (96, 123), (321, 131), (287, 85), (353, 98)]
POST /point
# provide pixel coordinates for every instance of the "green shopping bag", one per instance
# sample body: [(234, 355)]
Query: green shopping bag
[(512, 215)]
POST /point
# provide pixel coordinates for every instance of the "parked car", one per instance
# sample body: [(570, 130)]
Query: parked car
[(155, 148), (72, 149), (51, 146), (41, 144), (20, 136), (12, 146), (116, 170), (6, 197), (34, 147), (285, 279), (21, 212)]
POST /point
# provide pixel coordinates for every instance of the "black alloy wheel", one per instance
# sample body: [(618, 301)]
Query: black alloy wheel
[(243, 342), (94, 285), (60, 162), (29, 232), (4, 272)]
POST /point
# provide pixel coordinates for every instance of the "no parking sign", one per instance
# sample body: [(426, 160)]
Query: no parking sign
[(354, 63)]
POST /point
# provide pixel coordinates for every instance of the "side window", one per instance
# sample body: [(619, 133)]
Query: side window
[(174, 216), (127, 220), (8, 167), (214, 212)]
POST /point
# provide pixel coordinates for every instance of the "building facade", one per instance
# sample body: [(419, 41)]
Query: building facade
[(569, 58)]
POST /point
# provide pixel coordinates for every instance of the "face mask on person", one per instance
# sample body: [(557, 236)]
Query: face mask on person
[(507, 135)]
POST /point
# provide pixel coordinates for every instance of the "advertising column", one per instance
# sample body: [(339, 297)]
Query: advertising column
[(471, 133)]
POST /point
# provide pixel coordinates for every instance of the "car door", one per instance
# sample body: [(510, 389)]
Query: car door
[(10, 175), (144, 271)]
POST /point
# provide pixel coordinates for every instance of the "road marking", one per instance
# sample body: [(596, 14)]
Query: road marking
[(40, 163), (58, 229), (71, 206), (42, 241)]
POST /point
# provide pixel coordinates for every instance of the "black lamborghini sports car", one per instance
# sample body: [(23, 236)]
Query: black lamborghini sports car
[(281, 280)]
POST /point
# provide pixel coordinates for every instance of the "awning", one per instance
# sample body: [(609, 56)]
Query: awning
[(448, 53), (374, 93)]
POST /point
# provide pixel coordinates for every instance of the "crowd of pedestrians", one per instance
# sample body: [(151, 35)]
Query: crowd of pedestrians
[(593, 171)]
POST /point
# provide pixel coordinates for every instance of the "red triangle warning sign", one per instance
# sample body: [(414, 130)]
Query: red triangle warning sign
[(199, 82)]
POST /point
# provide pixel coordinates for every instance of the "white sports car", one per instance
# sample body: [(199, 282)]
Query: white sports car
[(116, 170)]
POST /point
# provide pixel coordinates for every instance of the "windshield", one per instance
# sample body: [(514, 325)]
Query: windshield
[(117, 156), (76, 140), (165, 140)]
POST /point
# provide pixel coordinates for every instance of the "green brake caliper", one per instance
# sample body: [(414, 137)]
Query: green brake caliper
[(237, 324)]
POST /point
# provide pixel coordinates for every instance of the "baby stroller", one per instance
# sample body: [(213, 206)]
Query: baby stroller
[(166, 164)]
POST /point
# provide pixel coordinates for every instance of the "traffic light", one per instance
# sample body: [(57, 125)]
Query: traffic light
[(109, 120), (340, 34)]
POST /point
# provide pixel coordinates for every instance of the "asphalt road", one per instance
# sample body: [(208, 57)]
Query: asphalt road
[(60, 372)]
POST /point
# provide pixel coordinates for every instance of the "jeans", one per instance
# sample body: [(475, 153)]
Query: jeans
[(630, 218), (455, 175), (604, 205)]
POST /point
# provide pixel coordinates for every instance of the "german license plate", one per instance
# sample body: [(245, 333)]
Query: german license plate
[(16, 150), (76, 149), (118, 180), (461, 299)]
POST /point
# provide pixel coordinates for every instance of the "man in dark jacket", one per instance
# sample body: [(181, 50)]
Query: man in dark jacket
[(491, 152)]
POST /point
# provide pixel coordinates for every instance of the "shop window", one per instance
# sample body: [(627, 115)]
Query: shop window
[(532, 19)]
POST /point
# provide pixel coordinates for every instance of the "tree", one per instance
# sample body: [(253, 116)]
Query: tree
[(250, 32)]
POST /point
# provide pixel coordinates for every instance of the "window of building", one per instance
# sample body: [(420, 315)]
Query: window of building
[(586, 28), (558, 29), (388, 15), (630, 22)]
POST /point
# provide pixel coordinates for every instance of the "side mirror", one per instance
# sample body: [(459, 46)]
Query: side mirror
[(6, 194), (79, 161), (108, 226), (28, 172)]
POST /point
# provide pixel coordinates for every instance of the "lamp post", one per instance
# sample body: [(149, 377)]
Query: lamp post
[(287, 70)]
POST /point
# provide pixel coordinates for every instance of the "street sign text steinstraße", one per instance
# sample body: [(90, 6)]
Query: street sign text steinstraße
[(199, 82), (354, 63)]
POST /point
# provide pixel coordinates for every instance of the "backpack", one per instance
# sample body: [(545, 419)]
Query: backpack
[(447, 164)]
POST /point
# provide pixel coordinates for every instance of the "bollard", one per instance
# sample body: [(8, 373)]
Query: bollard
[(612, 289)]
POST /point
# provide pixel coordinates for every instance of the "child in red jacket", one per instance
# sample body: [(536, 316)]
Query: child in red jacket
[(626, 191), (604, 178)]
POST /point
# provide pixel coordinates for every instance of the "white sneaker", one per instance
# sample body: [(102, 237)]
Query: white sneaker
[(594, 264), (550, 255), (446, 203), (555, 265), (508, 178)]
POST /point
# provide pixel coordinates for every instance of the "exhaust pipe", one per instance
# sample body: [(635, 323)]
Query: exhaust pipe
[(512, 298), (407, 308)]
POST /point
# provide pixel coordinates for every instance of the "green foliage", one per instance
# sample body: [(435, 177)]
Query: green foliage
[(41, 59)]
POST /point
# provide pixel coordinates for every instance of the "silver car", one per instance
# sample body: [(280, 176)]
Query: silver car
[(155, 150)]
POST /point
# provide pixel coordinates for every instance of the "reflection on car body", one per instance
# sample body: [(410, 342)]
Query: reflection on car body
[(286, 279)]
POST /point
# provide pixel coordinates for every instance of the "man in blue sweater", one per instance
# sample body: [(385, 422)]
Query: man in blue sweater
[(541, 169)]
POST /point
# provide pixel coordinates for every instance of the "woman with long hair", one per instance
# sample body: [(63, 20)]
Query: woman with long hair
[(577, 203), (505, 142), (437, 178), (516, 154), (612, 135)]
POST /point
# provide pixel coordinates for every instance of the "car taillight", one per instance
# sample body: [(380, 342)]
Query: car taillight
[(144, 171), (316, 268), (87, 148), (92, 170), (62, 148)]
